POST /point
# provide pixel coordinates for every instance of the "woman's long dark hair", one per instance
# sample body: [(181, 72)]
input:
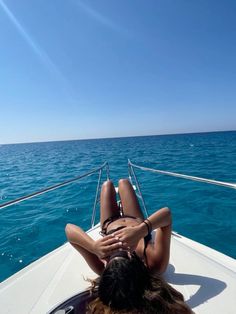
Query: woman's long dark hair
[(127, 286)]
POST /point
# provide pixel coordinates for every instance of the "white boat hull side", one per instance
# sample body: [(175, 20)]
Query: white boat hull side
[(206, 278)]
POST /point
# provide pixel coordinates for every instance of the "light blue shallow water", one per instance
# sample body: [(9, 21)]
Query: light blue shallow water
[(201, 212)]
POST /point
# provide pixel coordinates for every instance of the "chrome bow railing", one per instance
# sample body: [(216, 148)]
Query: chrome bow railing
[(59, 185), (132, 174), (183, 176)]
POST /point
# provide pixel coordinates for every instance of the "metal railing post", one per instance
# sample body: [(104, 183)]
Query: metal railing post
[(107, 171), (138, 187), (95, 201)]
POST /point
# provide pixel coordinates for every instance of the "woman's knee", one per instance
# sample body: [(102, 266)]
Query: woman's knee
[(107, 184), (123, 183)]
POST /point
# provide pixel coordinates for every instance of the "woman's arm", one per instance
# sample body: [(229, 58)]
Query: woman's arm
[(84, 245), (160, 219), (158, 254), (92, 251), (130, 236)]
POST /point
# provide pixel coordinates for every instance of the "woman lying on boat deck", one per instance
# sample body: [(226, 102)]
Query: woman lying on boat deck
[(129, 258)]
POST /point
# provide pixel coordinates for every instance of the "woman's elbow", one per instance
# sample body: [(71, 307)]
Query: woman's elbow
[(168, 215), (69, 231)]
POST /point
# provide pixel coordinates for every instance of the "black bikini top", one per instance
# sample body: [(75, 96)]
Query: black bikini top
[(108, 221)]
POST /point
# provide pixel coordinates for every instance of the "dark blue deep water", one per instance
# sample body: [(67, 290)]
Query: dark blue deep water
[(202, 212)]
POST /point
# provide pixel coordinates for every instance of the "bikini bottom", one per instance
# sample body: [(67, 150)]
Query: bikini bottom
[(109, 220)]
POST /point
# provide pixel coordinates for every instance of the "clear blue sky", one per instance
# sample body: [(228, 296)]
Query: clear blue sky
[(106, 68)]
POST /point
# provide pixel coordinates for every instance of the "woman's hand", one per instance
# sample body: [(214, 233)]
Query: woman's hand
[(105, 246), (129, 236)]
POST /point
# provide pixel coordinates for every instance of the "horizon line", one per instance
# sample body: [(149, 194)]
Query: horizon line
[(115, 137)]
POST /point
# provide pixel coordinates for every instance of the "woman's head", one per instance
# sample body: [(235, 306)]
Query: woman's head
[(126, 286), (123, 282)]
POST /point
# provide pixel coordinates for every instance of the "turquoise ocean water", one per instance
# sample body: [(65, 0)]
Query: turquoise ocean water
[(201, 212)]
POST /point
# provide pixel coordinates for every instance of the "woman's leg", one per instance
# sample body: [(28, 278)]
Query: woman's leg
[(129, 199), (108, 203)]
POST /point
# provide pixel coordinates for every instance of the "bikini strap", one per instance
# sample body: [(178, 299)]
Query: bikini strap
[(109, 220), (146, 239)]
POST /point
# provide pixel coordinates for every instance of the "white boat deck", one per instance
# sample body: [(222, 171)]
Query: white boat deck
[(206, 278)]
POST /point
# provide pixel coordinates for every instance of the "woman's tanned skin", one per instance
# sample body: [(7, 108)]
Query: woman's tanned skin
[(129, 238)]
